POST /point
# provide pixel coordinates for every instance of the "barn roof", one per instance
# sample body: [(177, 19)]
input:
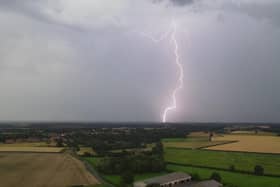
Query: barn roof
[(167, 178)]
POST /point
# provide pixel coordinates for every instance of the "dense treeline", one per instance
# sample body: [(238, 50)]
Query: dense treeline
[(104, 140), (15, 134), (134, 163), (139, 163)]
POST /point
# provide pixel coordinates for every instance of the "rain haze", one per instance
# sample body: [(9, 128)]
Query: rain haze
[(69, 60)]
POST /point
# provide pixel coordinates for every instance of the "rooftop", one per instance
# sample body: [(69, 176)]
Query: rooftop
[(167, 178), (208, 183)]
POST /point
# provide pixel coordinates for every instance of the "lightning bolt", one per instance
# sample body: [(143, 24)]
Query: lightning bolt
[(180, 81)]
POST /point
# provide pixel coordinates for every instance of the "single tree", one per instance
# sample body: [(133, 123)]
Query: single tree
[(258, 170), (196, 177), (216, 176), (232, 168), (127, 178)]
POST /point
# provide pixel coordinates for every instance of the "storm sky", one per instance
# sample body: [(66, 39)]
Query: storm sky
[(69, 60)]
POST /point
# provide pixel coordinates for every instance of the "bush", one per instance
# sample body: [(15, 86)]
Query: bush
[(87, 154), (258, 170), (232, 168), (153, 185), (127, 178), (216, 176), (196, 177)]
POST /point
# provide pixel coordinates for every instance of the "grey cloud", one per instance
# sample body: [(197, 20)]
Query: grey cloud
[(176, 2), (51, 71), (269, 11)]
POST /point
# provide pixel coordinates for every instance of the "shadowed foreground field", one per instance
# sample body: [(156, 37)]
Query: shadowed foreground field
[(38, 170)]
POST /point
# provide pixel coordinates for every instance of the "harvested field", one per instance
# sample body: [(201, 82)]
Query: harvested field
[(25, 144), (32, 149), (42, 170), (249, 143), (84, 150)]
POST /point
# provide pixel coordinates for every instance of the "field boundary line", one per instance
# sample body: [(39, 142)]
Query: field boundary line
[(91, 169), (210, 150), (31, 152), (221, 169), (222, 143)]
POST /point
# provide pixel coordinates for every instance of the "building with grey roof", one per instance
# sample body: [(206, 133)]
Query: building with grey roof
[(176, 179), (208, 183), (168, 180)]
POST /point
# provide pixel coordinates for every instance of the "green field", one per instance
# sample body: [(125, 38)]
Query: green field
[(223, 160), (92, 160), (230, 178), (115, 179), (191, 142)]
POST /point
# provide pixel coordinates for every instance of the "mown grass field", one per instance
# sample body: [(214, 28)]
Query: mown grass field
[(42, 170), (223, 160), (116, 179), (234, 179), (249, 143), (191, 142)]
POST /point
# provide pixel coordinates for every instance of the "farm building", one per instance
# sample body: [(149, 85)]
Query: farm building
[(176, 179)]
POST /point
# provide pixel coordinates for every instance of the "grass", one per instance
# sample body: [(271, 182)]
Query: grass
[(99, 185), (115, 179), (235, 179), (223, 160), (192, 142), (93, 160)]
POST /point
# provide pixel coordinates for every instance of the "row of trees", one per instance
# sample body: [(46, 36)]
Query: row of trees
[(258, 169), (103, 141), (139, 163)]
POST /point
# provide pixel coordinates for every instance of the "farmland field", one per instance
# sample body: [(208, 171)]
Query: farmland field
[(25, 144), (192, 142), (38, 170), (84, 150), (235, 179), (249, 143), (32, 149), (116, 179), (223, 160)]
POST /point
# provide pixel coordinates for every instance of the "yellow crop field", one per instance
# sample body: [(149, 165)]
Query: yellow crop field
[(249, 143), (43, 170), (31, 149), (25, 144), (84, 150)]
